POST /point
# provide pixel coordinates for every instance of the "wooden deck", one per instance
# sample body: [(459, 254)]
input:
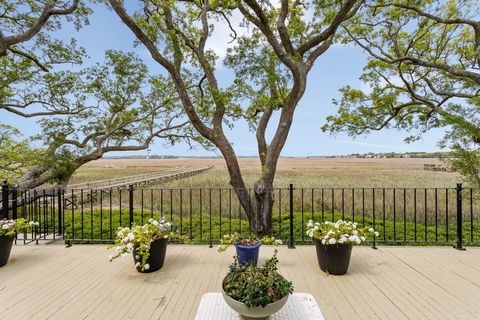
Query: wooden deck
[(54, 282)]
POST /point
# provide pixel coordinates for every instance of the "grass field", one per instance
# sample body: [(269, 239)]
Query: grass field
[(303, 172)]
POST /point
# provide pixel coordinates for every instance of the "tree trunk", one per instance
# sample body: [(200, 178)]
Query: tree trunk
[(33, 178), (265, 197)]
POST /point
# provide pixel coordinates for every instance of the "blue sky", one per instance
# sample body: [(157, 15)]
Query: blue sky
[(338, 67)]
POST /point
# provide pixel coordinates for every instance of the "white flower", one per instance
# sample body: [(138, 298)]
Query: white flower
[(278, 241), (358, 241), (165, 236), (137, 264), (137, 256), (155, 222), (332, 241), (5, 226), (119, 233), (147, 266), (118, 249), (310, 223), (371, 230), (150, 220), (324, 241), (353, 238), (362, 238), (376, 234), (131, 236), (341, 240), (129, 245), (355, 232)]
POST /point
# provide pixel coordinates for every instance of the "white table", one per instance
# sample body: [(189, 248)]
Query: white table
[(300, 306)]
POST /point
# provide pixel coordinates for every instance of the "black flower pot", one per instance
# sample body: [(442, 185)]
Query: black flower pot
[(158, 249), (6, 243), (334, 258)]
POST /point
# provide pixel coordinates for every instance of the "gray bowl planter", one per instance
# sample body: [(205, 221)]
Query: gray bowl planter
[(256, 313)]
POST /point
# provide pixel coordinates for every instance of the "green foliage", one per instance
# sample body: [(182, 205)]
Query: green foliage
[(245, 240), (256, 286), (11, 227), (111, 106), (422, 73), (465, 155), (15, 155), (40, 52), (102, 225)]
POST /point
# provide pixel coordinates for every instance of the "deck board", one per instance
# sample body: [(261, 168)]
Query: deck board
[(50, 281)]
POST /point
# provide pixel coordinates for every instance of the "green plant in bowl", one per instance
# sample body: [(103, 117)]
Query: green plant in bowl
[(256, 292)]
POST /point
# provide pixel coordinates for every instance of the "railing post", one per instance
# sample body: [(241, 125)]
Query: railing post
[(14, 203), (458, 242), (5, 200), (60, 211), (130, 202), (291, 244)]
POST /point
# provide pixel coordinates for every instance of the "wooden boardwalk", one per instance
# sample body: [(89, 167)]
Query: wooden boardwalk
[(139, 180), (54, 282)]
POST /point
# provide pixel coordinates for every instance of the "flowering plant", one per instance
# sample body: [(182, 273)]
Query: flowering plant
[(11, 227), (250, 240), (139, 238), (342, 232)]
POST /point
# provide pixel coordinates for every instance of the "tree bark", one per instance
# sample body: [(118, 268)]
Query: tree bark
[(265, 197)]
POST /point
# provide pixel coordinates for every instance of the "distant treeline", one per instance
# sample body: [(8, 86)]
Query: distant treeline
[(398, 155), (155, 156)]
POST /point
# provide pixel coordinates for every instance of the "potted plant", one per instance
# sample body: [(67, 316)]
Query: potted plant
[(256, 292), (334, 242), (8, 229), (247, 247), (147, 244)]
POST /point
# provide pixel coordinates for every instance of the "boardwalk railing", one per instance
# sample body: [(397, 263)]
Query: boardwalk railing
[(138, 180), (400, 215)]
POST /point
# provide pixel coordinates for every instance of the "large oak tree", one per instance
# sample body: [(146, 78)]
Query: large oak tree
[(274, 48), (115, 106), (423, 73)]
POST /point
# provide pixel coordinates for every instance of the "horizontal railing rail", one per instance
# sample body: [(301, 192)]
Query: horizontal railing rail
[(400, 215)]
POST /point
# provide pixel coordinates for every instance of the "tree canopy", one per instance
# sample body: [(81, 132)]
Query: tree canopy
[(27, 46), (112, 106), (423, 72)]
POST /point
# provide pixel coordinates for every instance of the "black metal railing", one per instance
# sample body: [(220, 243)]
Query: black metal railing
[(400, 215)]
